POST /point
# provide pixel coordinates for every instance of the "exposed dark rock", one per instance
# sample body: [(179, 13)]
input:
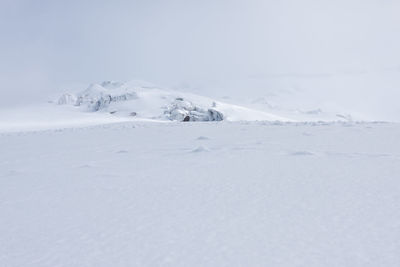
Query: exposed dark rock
[(215, 115)]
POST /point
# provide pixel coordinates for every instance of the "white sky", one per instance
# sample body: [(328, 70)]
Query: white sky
[(47, 44)]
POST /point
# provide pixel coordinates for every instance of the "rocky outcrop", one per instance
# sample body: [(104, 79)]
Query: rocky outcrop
[(99, 96), (183, 110)]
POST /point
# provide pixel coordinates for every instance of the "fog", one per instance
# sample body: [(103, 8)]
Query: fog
[(335, 48)]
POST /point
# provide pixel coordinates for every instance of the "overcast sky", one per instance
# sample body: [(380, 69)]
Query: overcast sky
[(46, 44)]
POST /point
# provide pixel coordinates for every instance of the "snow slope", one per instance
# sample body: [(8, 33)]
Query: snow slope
[(201, 194), (144, 100)]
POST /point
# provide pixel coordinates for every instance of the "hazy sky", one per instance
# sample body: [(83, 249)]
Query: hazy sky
[(46, 44)]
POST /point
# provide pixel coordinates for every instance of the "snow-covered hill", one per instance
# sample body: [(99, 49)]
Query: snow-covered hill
[(144, 100)]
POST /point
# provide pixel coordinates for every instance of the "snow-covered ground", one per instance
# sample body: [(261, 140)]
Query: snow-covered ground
[(268, 134), (143, 193)]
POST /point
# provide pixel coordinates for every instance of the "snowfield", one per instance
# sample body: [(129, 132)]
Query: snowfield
[(268, 135), (139, 193)]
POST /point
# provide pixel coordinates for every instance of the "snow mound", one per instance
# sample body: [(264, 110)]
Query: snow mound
[(143, 100), (201, 149)]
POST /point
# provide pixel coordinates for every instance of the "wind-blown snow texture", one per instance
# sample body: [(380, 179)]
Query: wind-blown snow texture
[(201, 194)]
